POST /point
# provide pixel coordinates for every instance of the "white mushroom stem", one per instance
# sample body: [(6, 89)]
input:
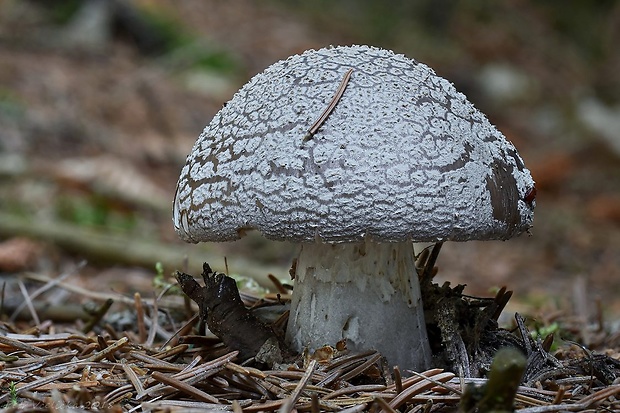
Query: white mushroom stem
[(365, 293)]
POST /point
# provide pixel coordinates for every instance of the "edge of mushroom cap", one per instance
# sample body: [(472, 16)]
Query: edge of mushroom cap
[(505, 210)]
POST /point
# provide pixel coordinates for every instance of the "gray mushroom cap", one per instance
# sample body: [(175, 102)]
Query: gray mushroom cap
[(403, 156)]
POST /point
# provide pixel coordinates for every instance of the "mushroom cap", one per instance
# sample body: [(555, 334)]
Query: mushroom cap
[(403, 155)]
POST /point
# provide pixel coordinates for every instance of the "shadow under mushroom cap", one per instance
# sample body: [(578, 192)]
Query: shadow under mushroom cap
[(403, 155)]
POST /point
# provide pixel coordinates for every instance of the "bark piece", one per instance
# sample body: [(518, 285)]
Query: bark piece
[(224, 313)]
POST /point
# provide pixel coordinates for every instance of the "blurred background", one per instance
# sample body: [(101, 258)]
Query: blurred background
[(102, 100)]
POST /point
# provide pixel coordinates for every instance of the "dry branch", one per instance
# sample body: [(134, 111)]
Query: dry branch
[(121, 249)]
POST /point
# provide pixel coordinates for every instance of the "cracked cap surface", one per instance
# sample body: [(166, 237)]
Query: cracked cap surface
[(402, 156)]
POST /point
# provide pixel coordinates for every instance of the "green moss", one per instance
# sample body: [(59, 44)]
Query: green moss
[(183, 50), (219, 61), (170, 31), (94, 211), (64, 10)]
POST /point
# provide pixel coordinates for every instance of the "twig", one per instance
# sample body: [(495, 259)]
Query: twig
[(559, 395), (429, 265), (184, 387), (206, 368), (153, 325), (184, 330), (68, 386), (361, 368), (40, 382), (181, 348), (23, 346), (98, 315), (418, 388), (355, 409), (140, 317), (384, 405), (108, 350), (410, 381), (398, 380), (264, 407), (190, 374), (330, 108), (290, 402), (437, 382), (120, 249), (101, 345), (342, 361), (133, 378), (354, 389), (501, 299), (47, 286), (281, 288), (525, 334), (236, 407), (155, 362), (585, 403), (28, 302), (314, 403), (26, 364)]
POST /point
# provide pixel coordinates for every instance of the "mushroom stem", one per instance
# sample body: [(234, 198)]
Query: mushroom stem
[(365, 293)]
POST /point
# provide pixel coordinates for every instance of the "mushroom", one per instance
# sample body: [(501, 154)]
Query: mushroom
[(355, 153)]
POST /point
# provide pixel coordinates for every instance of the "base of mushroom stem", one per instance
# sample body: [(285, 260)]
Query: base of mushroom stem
[(365, 293)]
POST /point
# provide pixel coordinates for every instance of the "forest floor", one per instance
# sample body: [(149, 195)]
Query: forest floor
[(96, 124)]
